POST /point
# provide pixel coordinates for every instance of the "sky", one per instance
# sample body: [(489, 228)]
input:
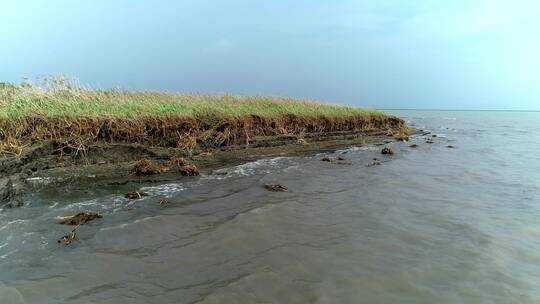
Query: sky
[(427, 54)]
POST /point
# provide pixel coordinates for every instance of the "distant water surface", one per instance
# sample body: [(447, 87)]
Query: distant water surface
[(430, 225)]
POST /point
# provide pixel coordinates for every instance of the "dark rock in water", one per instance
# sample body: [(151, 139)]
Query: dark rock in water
[(450, 147), (135, 194), (340, 158), (326, 159), (434, 135), (414, 146), (276, 188), (68, 238), (186, 168), (387, 151), (145, 167), (165, 202), (429, 141), (81, 218)]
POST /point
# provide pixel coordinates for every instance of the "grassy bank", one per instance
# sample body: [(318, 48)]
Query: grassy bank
[(29, 115)]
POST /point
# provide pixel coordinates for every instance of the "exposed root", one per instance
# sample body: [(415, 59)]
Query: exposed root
[(187, 133)]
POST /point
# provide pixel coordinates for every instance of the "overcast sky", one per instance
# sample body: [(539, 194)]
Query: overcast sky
[(460, 54)]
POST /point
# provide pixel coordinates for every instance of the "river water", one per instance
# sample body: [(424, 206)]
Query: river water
[(430, 225)]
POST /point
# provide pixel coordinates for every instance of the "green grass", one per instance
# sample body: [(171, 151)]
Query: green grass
[(27, 100)]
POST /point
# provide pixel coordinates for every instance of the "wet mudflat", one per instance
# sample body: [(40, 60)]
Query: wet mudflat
[(426, 224)]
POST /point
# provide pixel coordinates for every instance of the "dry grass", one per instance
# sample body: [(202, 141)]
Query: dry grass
[(59, 110)]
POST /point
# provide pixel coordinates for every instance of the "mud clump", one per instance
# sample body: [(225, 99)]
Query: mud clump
[(374, 162), (413, 146), (186, 168), (276, 188), (450, 147), (81, 218), (68, 238), (429, 141), (145, 167), (387, 151), (135, 195), (326, 159)]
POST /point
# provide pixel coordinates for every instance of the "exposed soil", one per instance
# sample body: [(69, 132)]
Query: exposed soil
[(106, 165)]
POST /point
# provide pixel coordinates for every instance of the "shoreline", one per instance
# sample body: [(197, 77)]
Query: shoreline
[(93, 138), (104, 166)]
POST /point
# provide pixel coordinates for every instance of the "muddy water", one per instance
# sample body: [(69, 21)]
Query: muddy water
[(430, 225)]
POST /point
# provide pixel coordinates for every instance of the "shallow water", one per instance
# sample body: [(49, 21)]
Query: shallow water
[(430, 225)]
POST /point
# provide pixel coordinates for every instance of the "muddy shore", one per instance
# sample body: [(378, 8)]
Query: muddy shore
[(53, 168)]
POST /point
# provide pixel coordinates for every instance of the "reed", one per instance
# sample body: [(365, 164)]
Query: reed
[(57, 109)]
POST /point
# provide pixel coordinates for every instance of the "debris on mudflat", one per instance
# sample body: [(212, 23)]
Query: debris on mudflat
[(413, 146), (81, 218), (387, 151), (450, 147), (374, 162), (326, 159), (68, 238), (301, 141), (165, 202), (145, 167), (276, 188), (186, 168), (135, 194)]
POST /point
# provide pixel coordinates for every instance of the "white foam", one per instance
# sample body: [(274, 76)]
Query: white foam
[(252, 168), (165, 189)]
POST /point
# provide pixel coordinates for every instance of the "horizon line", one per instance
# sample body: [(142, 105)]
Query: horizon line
[(454, 110)]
